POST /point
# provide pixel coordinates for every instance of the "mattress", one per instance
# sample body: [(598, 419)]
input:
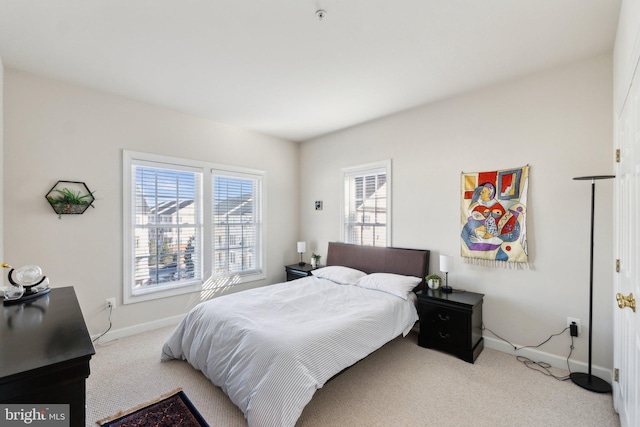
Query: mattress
[(271, 348)]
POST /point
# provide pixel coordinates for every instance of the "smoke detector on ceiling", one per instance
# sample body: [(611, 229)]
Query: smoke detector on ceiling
[(321, 14)]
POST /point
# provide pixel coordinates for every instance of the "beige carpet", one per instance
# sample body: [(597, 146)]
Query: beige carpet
[(401, 384)]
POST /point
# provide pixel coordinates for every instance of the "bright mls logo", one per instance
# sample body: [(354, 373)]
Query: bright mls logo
[(34, 415)]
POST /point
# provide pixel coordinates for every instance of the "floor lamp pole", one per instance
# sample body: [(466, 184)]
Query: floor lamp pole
[(589, 381)]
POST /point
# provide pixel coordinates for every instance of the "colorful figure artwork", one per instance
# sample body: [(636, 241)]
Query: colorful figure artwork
[(493, 218)]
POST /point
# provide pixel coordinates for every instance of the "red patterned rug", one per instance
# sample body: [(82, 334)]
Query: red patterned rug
[(172, 409)]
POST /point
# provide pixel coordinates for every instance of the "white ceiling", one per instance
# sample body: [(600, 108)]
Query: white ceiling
[(271, 66)]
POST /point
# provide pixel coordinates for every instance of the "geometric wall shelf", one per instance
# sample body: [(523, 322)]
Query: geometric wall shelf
[(70, 197)]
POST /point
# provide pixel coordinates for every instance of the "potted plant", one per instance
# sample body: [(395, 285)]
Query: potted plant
[(433, 281), (315, 260), (66, 201)]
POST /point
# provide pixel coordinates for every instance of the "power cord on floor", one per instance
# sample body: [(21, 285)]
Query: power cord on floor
[(542, 367), (102, 334)]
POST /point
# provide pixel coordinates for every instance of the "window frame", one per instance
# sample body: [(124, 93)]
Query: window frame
[(132, 158), (360, 170)]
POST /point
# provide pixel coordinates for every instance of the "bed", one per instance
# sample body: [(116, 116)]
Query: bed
[(270, 348)]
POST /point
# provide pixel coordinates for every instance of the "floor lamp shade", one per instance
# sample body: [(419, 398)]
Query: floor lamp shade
[(587, 380)]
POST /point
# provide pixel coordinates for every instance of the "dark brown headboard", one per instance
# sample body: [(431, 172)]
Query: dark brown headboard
[(370, 259)]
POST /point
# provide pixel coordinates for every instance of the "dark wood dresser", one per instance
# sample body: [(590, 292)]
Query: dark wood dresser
[(451, 322), (45, 350)]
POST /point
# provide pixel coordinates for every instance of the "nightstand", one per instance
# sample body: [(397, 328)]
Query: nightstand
[(451, 322), (295, 271)]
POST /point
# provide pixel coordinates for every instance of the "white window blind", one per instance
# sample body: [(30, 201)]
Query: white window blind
[(167, 226), (366, 205), (237, 223)]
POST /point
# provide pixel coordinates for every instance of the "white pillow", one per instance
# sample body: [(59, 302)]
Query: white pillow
[(339, 274), (394, 284)]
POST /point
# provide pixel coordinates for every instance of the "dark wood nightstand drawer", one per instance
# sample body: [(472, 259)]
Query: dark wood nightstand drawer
[(445, 324)]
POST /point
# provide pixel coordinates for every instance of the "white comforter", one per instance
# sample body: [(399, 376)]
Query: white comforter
[(270, 348)]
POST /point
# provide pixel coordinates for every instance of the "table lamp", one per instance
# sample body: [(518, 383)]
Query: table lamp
[(302, 248), (446, 262)]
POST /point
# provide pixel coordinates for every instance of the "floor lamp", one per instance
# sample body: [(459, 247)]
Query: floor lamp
[(588, 381)]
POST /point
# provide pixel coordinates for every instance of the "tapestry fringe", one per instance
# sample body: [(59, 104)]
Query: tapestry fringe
[(498, 264)]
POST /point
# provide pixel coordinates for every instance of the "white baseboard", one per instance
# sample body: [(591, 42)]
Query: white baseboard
[(551, 359), (138, 329)]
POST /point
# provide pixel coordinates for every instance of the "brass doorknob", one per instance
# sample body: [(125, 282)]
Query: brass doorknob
[(628, 301)]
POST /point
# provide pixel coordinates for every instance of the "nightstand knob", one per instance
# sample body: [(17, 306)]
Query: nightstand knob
[(445, 336), (444, 318)]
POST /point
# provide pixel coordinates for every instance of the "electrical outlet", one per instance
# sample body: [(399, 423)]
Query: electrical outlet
[(111, 303), (573, 319), (573, 329)]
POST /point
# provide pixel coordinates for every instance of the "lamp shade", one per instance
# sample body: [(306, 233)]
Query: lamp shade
[(446, 262), (302, 247)]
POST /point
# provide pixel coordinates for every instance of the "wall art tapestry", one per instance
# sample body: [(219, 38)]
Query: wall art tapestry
[(493, 218)]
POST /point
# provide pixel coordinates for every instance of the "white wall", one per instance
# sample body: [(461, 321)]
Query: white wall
[(626, 50), (55, 131), (560, 123)]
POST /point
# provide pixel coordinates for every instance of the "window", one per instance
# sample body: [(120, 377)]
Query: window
[(237, 223), (187, 221), (367, 207)]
